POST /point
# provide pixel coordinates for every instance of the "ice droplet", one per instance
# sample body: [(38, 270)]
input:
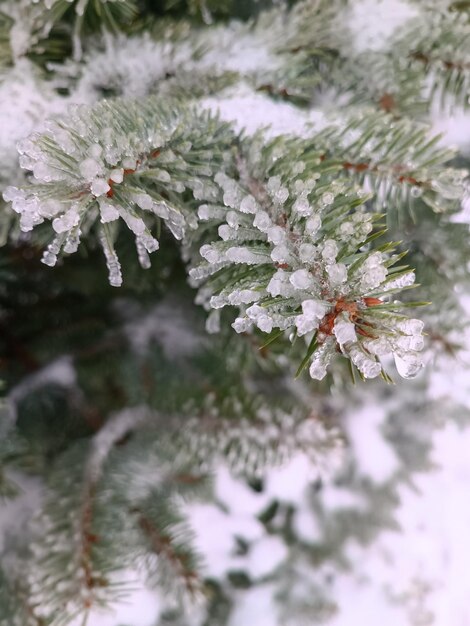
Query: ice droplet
[(327, 198), (314, 309), (248, 205), (320, 361), (411, 342), (344, 331), (145, 201), (305, 324), (330, 250), (108, 212), (237, 254), (136, 224), (337, 273), (402, 281), (99, 187), (307, 252), (312, 225), (368, 367), (281, 195), (112, 263), (301, 279), (142, 254), (89, 169), (408, 365), (411, 326), (212, 255), (264, 323), (262, 221), (276, 234), (302, 206), (67, 221), (241, 325), (280, 254)]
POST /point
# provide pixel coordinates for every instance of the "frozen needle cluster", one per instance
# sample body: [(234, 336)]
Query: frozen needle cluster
[(293, 255), (129, 161)]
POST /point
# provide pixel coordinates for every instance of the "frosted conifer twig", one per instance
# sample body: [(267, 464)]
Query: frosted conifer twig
[(119, 160)]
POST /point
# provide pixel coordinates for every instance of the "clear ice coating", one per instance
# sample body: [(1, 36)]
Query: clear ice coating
[(344, 330), (408, 364), (369, 367), (320, 361), (337, 273)]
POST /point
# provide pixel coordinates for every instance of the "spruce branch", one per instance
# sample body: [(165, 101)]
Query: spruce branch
[(399, 160), (72, 569), (295, 246), (260, 437), (438, 47), (175, 63), (88, 15), (425, 65), (170, 558), (120, 159)]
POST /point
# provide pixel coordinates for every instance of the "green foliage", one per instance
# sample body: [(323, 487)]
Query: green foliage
[(90, 15), (6, 23), (398, 159), (424, 65), (439, 47)]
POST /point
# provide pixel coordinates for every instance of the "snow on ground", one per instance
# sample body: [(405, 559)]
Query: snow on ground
[(403, 579)]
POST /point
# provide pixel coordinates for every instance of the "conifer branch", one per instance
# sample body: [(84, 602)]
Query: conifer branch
[(294, 248), (71, 572), (120, 160), (170, 541), (399, 159)]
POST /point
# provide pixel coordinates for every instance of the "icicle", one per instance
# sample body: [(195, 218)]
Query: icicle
[(53, 249), (142, 254), (408, 364), (112, 261), (320, 361)]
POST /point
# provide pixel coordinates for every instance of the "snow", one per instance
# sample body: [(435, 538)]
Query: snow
[(216, 534), (139, 609), (249, 110), (266, 556), (374, 457), (255, 607), (290, 482), (60, 371), (166, 325), (372, 22), (24, 104)]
